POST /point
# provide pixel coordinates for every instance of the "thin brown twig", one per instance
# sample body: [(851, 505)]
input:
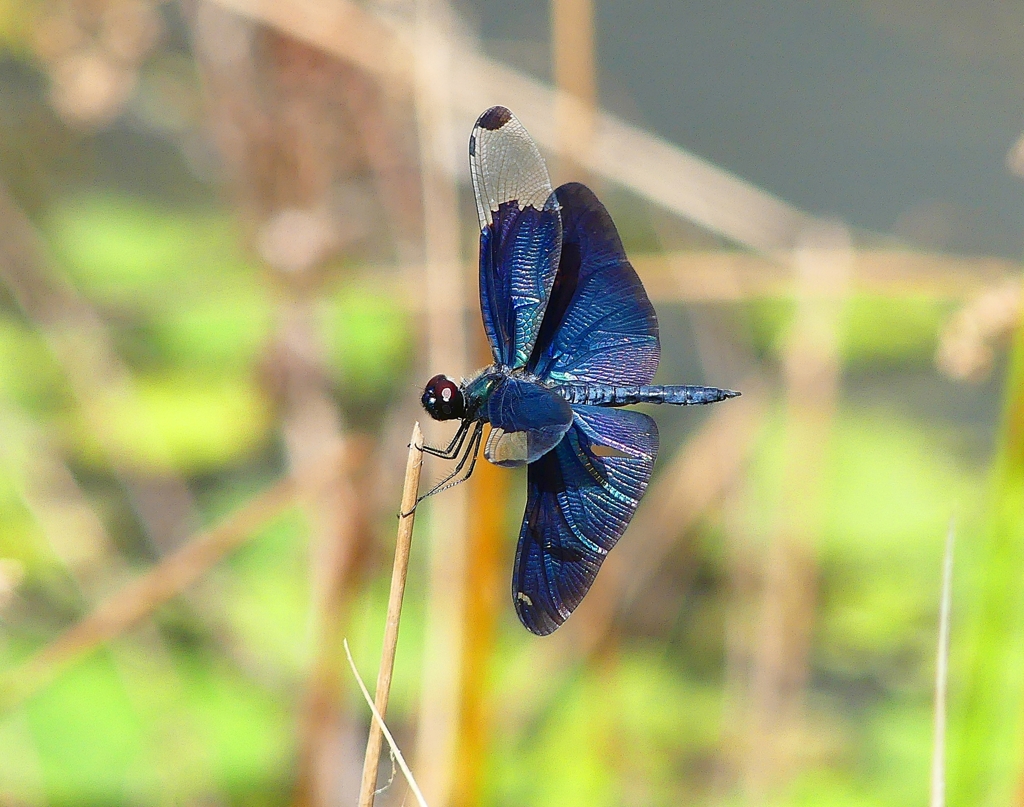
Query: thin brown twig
[(406, 519), (176, 572), (572, 56), (484, 585)]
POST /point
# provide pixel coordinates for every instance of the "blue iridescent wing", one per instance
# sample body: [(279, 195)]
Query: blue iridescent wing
[(527, 421), (580, 498), (599, 324), (520, 233)]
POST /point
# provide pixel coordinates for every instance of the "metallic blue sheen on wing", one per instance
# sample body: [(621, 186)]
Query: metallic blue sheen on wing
[(518, 256), (516, 405), (599, 324), (579, 502)]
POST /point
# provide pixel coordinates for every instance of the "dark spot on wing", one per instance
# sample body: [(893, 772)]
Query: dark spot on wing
[(565, 554), (472, 145), (547, 474), (494, 118)]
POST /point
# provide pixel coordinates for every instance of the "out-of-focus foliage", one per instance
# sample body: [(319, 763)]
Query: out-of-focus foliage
[(16, 18), (879, 332), (102, 113), (987, 740)]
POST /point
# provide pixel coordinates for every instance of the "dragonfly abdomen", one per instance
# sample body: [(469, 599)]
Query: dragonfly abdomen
[(610, 395)]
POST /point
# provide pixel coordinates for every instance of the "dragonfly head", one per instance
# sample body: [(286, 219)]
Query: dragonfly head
[(443, 399)]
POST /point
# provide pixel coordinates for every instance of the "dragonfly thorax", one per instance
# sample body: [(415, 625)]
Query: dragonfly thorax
[(443, 399)]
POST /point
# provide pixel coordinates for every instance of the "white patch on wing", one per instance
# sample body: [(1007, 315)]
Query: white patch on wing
[(508, 449)]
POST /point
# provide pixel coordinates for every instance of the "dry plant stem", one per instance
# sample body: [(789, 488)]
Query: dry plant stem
[(140, 598), (407, 515), (379, 721), (938, 798)]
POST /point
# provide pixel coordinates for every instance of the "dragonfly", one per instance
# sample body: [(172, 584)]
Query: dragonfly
[(574, 338)]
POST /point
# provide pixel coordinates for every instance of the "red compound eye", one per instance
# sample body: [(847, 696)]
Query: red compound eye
[(443, 399)]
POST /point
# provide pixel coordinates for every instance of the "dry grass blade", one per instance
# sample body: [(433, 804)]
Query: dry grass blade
[(406, 519), (379, 723), (141, 597), (938, 796)]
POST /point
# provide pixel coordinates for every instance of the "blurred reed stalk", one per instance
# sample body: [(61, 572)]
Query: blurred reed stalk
[(312, 420), (444, 293), (334, 561), (169, 578), (400, 570), (732, 276), (573, 58), (811, 366)]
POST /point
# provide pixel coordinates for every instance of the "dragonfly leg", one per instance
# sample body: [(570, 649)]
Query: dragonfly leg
[(471, 453), (454, 447)]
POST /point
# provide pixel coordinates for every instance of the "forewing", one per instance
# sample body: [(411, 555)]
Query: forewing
[(580, 498), (520, 233), (599, 324), (527, 421)]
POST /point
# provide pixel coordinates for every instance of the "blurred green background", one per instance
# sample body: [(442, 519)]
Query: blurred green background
[(217, 272)]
